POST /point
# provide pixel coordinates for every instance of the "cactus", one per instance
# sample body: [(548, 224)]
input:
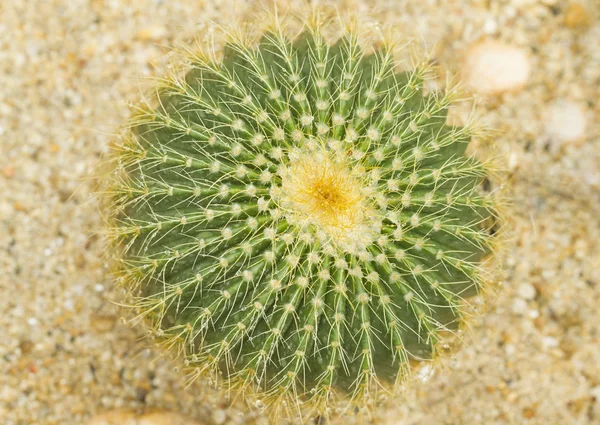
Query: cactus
[(298, 218)]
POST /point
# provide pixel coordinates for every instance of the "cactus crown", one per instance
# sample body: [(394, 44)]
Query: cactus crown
[(299, 216)]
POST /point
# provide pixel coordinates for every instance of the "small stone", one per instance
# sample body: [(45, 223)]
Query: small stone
[(566, 121), (19, 207), (77, 408), (141, 392), (519, 306), (152, 33), (219, 416), (165, 418), (529, 412), (578, 405), (492, 67), (115, 417), (490, 26), (8, 171), (549, 342), (527, 291), (26, 346), (102, 323), (576, 16), (79, 260), (130, 417)]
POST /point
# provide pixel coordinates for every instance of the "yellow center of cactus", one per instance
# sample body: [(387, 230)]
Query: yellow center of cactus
[(319, 188)]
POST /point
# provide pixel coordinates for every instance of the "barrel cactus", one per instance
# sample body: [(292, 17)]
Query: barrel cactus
[(294, 215)]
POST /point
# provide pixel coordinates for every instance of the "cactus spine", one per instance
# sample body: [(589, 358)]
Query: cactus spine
[(298, 217)]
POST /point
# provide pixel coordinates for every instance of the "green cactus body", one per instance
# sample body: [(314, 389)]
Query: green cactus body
[(299, 217)]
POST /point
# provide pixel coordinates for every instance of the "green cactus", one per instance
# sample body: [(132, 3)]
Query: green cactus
[(298, 217)]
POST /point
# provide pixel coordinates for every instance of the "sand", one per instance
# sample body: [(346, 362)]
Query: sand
[(67, 70)]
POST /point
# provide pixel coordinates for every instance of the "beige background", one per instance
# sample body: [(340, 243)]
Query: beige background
[(68, 67)]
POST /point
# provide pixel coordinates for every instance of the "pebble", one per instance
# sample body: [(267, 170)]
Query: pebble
[(219, 416), (130, 417), (519, 306), (566, 121), (577, 16), (152, 33), (8, 171), (527, 291), (114, 417), (549, 342), (492, 67), (490, 26), (102, 322), (165, 418)]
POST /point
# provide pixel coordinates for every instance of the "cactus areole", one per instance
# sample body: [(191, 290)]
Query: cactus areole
[(298, 218)]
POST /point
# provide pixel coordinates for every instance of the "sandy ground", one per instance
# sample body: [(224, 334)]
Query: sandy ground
[(67, 69)]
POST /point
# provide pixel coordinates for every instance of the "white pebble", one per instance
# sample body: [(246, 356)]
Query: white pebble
[(493, 67), (219, 416), (549, 342), (490, 26), (566, 121), (526, 291), (519, 306), (152, 33)]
